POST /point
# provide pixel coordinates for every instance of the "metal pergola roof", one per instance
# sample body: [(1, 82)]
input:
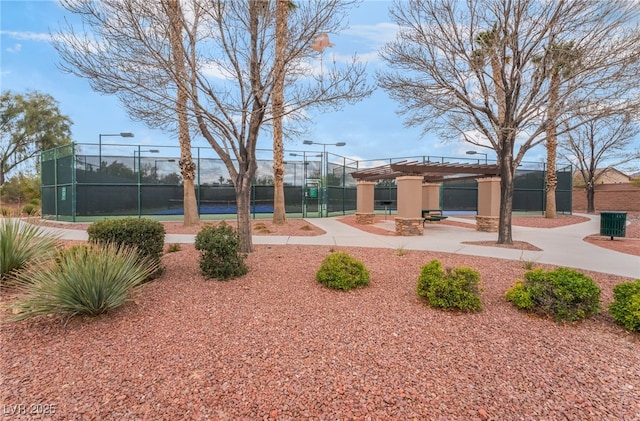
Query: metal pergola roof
[(431, 171)]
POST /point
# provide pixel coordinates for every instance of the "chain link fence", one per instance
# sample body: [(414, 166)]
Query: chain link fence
[(80, 183)]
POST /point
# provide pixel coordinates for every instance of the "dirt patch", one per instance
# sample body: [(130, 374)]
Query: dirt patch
[(542, 222), (623, 245), (516, 245)]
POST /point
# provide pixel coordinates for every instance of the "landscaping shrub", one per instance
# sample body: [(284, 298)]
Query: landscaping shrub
[(145, 235), (456, 288), (563, 294), (175, 247), (625, 307), (29, 209), (220, 256), (87, 280), (22, 244), (341, 271)]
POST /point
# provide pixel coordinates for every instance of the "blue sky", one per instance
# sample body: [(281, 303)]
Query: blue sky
[(371, 128)]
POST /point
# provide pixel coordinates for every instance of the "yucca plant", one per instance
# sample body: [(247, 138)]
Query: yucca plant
[(83, 280), (22, 244)]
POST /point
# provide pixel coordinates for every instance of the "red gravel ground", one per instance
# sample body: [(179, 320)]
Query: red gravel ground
[(276, 345)]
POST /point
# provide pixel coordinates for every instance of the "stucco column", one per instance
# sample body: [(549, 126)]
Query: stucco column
[(364, 202), (431, 196), (488, 204), (409, 219)]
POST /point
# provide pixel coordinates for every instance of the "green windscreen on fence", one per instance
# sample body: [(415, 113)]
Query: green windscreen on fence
[(136, 181)]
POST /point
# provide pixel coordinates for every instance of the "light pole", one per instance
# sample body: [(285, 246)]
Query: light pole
[(478, 153), (123, 134), (325, 190)]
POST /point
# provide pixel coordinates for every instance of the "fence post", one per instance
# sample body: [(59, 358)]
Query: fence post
[(73, 182), (253, 199), (198, 181), (139, 187)]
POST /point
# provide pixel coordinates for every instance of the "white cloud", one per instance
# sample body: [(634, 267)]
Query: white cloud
[(213, 70), (15, 49), (376, 35), (27, 35)]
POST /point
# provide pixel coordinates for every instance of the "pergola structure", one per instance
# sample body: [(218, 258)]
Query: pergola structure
[(432, 172), (418, 186)]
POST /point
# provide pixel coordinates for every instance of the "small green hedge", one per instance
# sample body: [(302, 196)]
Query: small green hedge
[(456, 288), (145, 235), (625, 307), (29, 209), (563, 294), (220, 256), (341, 271)]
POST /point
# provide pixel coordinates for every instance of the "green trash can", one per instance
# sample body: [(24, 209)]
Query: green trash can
[(613, 224)]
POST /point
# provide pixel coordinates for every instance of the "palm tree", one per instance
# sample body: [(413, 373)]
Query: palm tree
[(283, 7), (490, 44), (560, 61), (187, 166)]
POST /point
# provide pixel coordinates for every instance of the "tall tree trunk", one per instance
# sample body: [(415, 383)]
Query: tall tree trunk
[(279, 214), (507, 172), (591, 197), (187, 166), (506, 207), (552, 146), (243, 203), (552, 178)]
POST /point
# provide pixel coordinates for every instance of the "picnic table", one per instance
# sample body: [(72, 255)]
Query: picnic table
[(432, 215)]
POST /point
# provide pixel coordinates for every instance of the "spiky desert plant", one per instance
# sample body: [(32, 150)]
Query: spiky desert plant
[(87, 280), (22, 244)]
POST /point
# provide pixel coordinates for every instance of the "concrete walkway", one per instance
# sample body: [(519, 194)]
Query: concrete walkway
[(560, 246)]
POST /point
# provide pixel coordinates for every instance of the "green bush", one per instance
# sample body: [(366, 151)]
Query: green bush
[(145, 235), (341, 271), (29, 209), (625, 307), (564, 294), (456, 288), (83, 280), (220, 256), (22, 244)]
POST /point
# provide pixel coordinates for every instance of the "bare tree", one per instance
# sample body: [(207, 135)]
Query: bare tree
[(443, 82), (228, 52), (592, 144)]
